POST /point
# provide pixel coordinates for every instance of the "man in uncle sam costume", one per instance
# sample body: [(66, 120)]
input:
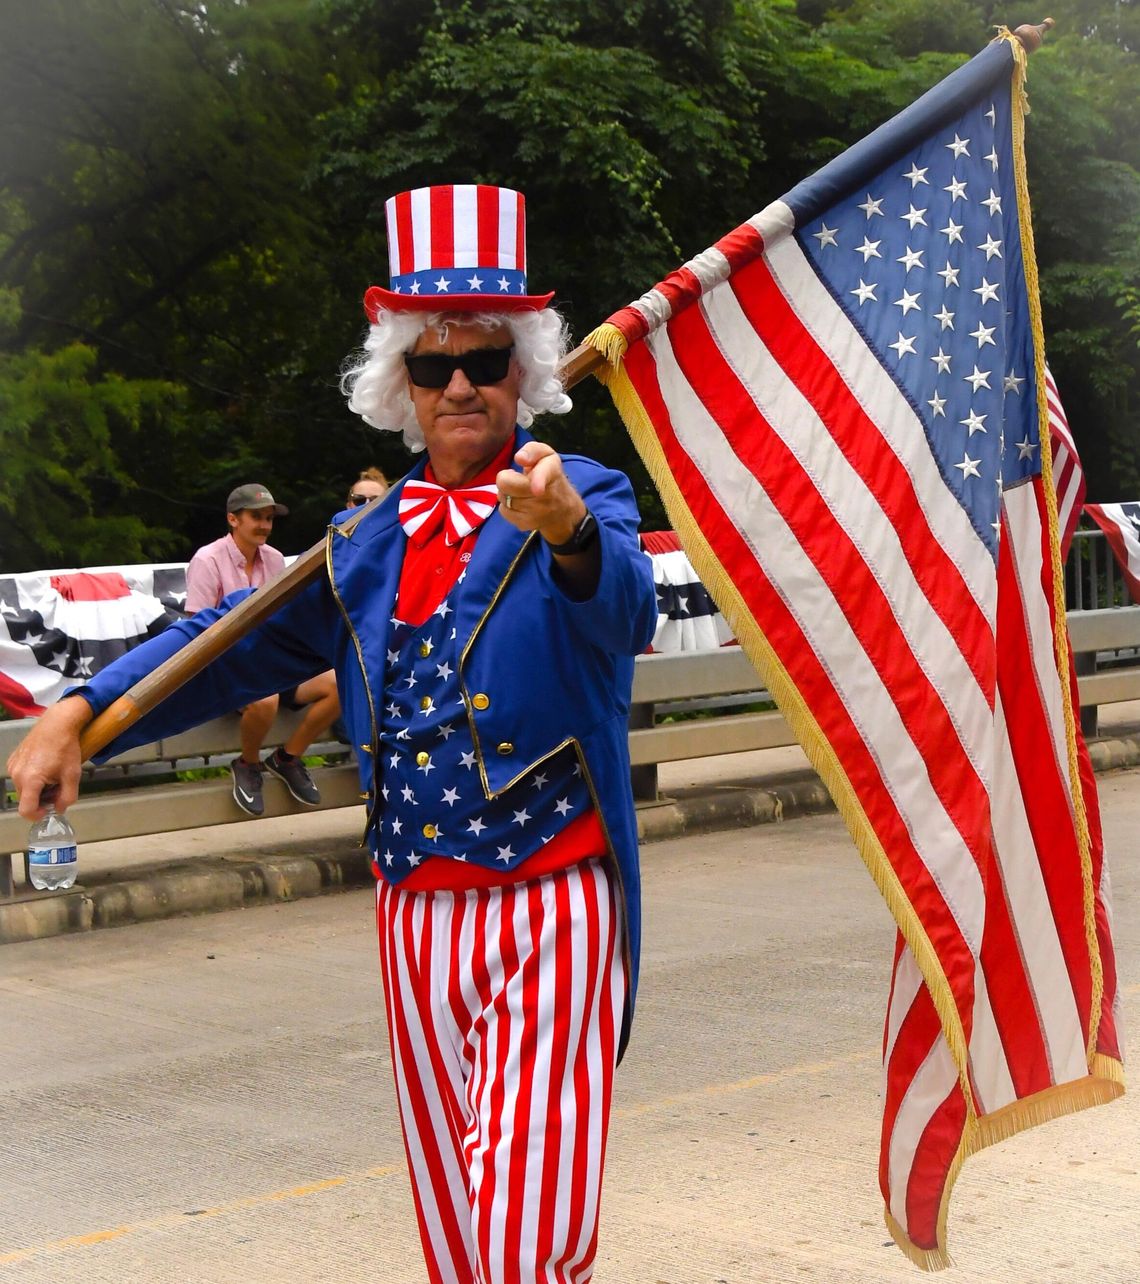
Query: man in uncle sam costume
[(482, 619)]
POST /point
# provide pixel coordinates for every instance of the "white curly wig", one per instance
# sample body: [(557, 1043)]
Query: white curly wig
[(375, 379)]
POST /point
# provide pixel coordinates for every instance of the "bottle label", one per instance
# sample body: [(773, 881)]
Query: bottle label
[(53, 855)]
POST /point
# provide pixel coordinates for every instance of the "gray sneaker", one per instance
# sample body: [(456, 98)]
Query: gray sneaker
[(247, 787), (296, 777)]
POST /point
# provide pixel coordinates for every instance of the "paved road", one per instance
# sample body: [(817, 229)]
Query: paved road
[(207, 1100)]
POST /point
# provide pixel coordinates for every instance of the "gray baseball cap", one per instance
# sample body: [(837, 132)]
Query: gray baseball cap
[(253, 495)]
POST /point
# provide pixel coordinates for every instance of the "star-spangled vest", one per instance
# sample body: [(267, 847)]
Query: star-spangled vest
[(434, 804)]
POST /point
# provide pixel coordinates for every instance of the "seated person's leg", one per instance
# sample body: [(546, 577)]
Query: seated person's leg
[(256, 719), (318, 697)]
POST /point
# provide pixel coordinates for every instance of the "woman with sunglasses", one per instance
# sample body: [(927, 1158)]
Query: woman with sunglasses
[(483, 629), (371, 484)]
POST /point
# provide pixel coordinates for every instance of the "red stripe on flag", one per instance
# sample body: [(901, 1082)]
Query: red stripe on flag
[(631, 322), (936, 1150), (810, 678), (917, 1033), (1107, 1042), (1011, 996), (679, 289), (741, 246), (442, 206)]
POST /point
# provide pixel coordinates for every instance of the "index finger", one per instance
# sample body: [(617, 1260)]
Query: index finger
[(545, 473)]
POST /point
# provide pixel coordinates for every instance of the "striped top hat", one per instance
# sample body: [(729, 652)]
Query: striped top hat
[(458, 248)]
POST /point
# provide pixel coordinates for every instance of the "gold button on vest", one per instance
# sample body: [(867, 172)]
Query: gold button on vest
[(425, 702), (366, 748), (425, 648), (423, 758), (481, 701), (506, 747), (429, 831)]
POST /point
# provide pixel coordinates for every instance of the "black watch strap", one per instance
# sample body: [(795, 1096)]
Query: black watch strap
[(585, 533)]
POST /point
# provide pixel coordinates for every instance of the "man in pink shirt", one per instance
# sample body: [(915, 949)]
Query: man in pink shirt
[(244, 559)]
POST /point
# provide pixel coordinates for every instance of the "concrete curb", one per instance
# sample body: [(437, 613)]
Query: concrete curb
[(172, 890), (207, 884)]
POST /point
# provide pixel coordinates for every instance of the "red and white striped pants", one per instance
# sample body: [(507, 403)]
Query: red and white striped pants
[(504, 1007)]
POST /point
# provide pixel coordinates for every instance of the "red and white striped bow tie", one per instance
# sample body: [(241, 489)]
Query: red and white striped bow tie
[(423, 505)]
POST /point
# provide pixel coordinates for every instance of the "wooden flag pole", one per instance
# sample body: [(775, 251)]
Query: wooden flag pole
[(151, 690)]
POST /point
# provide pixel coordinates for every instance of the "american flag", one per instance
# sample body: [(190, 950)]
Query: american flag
[(1121, 526), (1068, 475), (840, 402)]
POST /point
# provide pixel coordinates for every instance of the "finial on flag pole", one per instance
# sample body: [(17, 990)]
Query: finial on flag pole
[(1031, 36)]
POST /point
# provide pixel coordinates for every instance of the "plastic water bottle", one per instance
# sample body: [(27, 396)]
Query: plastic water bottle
[(53, 858)]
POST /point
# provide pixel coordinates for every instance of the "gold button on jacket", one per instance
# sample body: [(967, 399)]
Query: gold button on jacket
[(506, 747), (429, 831), (423, 758), (481, 701)]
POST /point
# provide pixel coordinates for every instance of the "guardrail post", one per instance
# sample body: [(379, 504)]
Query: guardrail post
[(1084, 662), (644, 777), (7, 885)]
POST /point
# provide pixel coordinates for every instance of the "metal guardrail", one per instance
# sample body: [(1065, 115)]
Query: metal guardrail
[(1106, 643)]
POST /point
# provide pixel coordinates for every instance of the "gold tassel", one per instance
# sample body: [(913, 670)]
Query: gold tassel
[(611, 343)]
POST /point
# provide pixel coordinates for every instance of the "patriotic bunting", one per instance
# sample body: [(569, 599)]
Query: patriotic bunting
[(842, 403), (59, 628), (687, 617)]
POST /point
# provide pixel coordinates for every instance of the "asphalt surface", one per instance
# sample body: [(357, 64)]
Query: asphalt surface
[(207, 1100)]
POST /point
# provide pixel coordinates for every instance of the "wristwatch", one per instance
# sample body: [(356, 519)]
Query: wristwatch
[(585, 533)]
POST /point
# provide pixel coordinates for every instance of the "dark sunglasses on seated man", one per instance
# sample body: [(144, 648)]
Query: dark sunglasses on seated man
[(480, 365)]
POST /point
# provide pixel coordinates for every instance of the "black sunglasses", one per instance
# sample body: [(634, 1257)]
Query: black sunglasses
[(356, 500), (480, 365)]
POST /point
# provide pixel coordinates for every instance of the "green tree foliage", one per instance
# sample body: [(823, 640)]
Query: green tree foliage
[(191, 206), (154, 162)]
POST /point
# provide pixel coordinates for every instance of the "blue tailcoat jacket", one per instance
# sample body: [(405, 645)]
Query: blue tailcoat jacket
[(548, 670)]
